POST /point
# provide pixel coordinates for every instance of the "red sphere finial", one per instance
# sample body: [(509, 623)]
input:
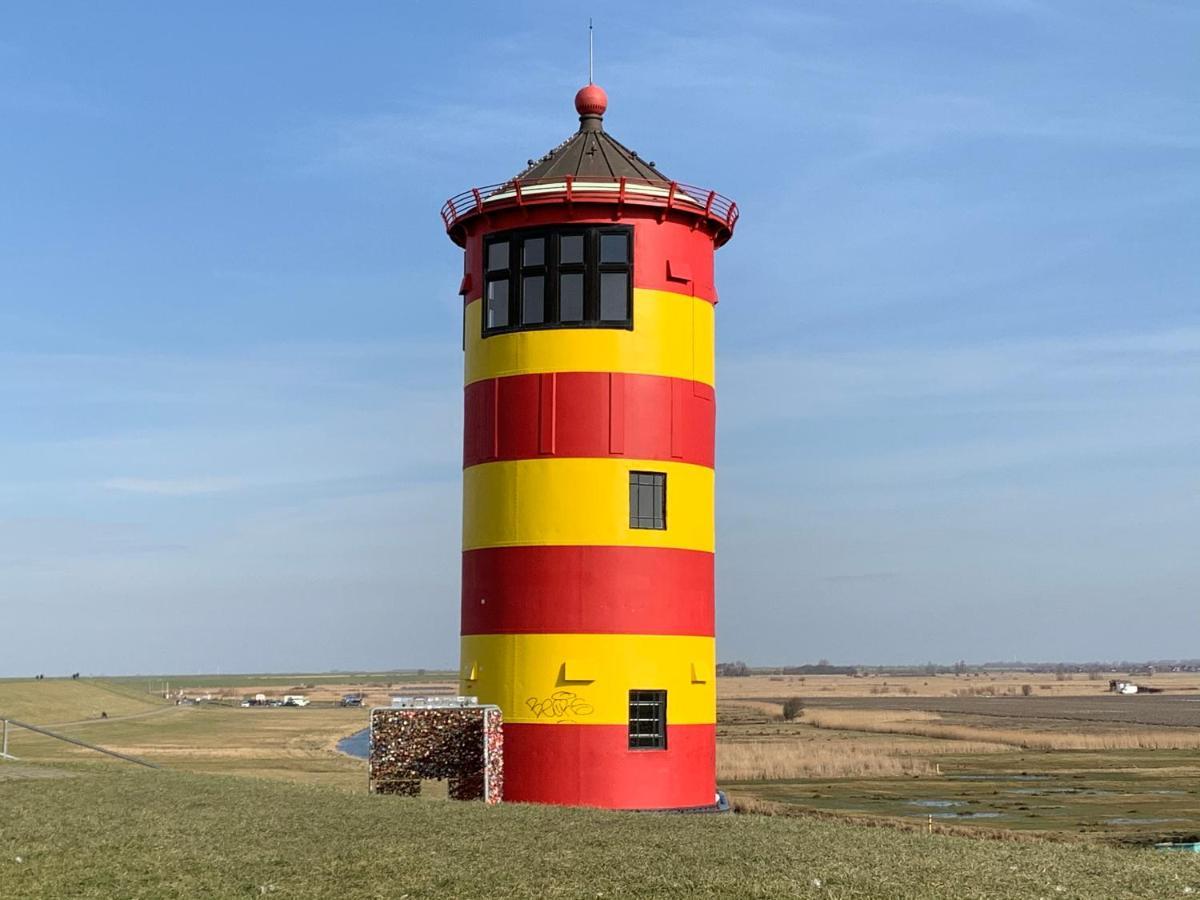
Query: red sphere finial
[(591, 100)]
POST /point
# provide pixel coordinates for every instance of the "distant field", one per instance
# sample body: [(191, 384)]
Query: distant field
[(1172, 710), (63, 700), (276, 680), (990, 684), (138, 833), (285, 744)]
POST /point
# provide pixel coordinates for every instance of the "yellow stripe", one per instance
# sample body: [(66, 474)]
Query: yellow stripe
[(672, 335), (586, 678), (568, 501)]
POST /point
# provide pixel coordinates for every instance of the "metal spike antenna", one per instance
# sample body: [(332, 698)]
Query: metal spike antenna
[(591, 51)]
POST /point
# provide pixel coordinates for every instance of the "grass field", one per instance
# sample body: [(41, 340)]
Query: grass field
[(113, 832), (62, 700), (285, 744), (274, 805), (988, 684), (276, 681)]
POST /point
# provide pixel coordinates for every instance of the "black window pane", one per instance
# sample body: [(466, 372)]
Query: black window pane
[(533, 299), (647, 720), (534, 252), (497, 258), (614, 296), (570, 298), (497, 304), (570, 248), (614, 248), (633, 503)]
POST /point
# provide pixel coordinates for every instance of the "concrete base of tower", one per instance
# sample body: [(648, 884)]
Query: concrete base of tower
[(592, 765)]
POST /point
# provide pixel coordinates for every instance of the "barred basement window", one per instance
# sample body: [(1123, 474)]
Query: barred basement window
[(647, 720), (558, 278), (648, 500)]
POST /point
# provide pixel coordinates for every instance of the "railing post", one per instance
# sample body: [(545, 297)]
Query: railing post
[(621, 193), (517, 188), (478, 199), (570, 181), (671, 196), (712, 195)]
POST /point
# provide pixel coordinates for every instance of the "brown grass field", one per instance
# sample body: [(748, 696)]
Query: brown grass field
[(1069, 759), (999, 684)]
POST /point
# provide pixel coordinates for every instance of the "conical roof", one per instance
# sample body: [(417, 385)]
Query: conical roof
[(591, 167), (591, 151)]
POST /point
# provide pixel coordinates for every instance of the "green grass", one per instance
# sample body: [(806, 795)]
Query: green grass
[(63, 700), (128, 833), (289, 744)]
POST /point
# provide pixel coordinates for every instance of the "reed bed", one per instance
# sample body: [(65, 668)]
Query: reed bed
[(780, 762), (924, 724)]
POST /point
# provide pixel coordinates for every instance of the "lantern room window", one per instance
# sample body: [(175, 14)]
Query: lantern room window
[(579, 277)]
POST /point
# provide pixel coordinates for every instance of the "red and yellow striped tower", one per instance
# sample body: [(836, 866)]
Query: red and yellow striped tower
[(587, 574)]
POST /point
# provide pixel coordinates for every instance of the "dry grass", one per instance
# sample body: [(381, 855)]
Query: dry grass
[(125, 833), (58, 700), (992, 684), (780, 762), (744, 803), (754, 708), (926, 724)]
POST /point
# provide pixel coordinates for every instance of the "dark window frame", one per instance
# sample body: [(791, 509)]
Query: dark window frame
[(647, 719), (640, 481), (551, 270)]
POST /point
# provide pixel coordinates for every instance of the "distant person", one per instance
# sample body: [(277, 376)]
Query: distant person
[(103, 714)]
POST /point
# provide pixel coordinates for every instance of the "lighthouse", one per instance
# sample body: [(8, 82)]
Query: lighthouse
[(588, 471)]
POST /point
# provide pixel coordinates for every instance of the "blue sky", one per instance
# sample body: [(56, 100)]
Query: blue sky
[(959, 330)]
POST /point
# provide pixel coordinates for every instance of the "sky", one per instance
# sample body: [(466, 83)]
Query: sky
[(958, 333)]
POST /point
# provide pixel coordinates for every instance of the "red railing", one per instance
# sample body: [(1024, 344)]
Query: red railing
[(642, 192)]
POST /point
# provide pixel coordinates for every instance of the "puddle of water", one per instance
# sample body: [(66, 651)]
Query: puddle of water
[(1138, 820), (959, 815), (935, 804), (357, 744), (999, 777), (1081, 792)]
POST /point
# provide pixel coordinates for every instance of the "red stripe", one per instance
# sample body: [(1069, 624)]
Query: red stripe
[(592, 765), (588, 414), (587, 590), (670, 255)]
